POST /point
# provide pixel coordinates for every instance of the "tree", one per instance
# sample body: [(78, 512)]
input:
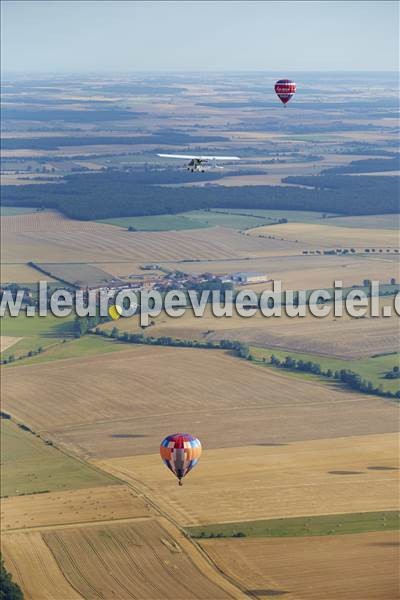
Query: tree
[(9, 590)]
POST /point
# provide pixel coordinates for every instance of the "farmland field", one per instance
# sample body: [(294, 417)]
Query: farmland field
[(34, 567), (372, 369), (294, 216), (158, 222), (302, 526), (98, 242), (138, 557), (330, 236), (343, 337), (370, 222), (89, 505), (30, 466), (272, 480), (361, 566), (143, 560), (77, 274), (12, 211), (35, 332), (21, 273), (6, 341), (73, 348), (109, 413)]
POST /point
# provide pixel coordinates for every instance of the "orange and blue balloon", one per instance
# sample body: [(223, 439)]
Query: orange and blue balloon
[(285, 89), (180, 453)]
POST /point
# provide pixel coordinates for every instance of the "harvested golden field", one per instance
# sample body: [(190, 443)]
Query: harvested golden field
[(7, 341), (347, 338), (361, 566), (340, 337), (102, 406), (388, 221), (328, 236), (105, 503), (140, 560), (45, 221), (21, 273), (34, 567), (267, 481), (77, 241)]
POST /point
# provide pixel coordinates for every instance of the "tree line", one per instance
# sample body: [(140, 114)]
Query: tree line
[(9, 590), (116, 194), (347, 377)]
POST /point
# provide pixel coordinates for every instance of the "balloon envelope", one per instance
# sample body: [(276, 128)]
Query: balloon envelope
[(180, 452), (284, 89)]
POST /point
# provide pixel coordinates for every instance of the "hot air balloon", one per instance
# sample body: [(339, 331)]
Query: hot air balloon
[(180, 452), (285, 89)]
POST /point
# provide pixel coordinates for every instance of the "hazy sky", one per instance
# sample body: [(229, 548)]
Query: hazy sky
[(100, 35)]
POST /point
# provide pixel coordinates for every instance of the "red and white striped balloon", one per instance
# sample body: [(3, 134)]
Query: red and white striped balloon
[(285, 89)]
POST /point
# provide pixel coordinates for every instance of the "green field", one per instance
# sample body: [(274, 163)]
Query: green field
[(29, 465), (302, 526), (390, 221), (229, 218), (371, 369), (197, 219), (88, 345), (35, 332), (293, 216), (157, 223), (12, 211)]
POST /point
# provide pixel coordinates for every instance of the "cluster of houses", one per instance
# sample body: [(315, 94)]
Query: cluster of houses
[(179, 280)]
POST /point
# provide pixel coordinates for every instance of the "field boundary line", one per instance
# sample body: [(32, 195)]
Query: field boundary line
[(73, 524), (141, 490)]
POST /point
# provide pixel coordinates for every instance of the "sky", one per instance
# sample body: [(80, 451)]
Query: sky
[(62, 36)]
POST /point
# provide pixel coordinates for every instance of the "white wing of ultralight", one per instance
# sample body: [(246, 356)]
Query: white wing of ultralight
[(198, 157)]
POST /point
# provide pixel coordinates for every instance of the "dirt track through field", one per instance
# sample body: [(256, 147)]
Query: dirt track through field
[(140, 560)]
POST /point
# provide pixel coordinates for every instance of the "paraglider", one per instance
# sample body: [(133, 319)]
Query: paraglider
[(180, 453), (285, 89)]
